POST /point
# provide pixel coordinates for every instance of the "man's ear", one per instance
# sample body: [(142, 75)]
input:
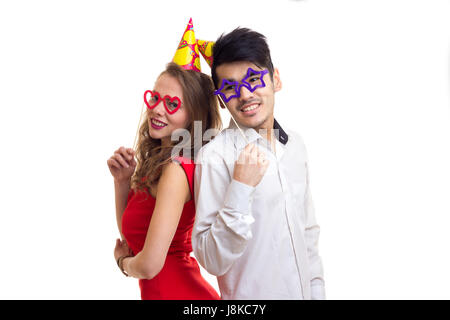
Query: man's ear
[(277, 84)]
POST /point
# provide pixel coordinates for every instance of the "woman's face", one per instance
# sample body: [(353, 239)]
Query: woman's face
[(161, 123)]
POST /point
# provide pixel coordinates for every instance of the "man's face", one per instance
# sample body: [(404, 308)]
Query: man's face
[(250, 109)]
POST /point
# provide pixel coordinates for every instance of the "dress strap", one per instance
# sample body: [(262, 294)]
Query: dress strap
[(188, 166)]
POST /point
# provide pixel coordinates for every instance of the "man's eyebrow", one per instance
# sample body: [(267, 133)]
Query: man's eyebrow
[(232, 79)]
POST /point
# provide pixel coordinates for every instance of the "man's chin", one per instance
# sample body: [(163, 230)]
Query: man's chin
[(253, 123)]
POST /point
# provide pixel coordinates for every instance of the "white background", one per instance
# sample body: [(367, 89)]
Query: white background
[(366, 83)]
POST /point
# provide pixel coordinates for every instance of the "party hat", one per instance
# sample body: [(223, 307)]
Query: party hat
[(187, 55), (205, 48)]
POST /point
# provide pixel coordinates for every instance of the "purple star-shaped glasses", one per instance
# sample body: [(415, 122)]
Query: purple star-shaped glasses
[(232, 89)]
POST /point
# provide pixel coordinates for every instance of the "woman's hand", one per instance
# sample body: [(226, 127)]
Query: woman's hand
[(122, 164), (122, 249)]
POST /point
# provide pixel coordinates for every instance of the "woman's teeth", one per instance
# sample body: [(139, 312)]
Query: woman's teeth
[(158, 123)]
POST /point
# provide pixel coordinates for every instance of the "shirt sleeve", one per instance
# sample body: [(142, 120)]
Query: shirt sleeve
[(223, 220), (312, 232)]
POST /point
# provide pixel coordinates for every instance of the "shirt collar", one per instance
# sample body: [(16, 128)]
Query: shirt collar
[(253, 136), (282, 135)]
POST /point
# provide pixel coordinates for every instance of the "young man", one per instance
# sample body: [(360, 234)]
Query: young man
[(255, 227)]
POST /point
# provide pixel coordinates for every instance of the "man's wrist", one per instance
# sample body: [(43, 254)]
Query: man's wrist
[(239, 196)]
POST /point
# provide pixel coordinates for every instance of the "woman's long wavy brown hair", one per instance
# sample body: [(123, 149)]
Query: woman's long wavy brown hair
[(201, 104)]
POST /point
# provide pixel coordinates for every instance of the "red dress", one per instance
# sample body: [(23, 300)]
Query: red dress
[(180, 277)]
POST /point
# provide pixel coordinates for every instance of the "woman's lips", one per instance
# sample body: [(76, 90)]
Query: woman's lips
[(156, 124)]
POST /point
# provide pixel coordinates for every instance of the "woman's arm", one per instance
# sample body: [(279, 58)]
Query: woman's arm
[(172, 193), (122, 166), (121, 190)]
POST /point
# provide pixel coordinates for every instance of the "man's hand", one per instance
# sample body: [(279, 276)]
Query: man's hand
[(250, 166)]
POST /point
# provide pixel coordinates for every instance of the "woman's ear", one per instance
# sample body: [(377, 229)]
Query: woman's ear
[(277, 84)]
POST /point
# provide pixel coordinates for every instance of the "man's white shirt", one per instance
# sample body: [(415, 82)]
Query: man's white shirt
[(261, 242)]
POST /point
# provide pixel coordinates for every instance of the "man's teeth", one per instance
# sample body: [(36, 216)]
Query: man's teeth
[(252, 107), (158, 123)]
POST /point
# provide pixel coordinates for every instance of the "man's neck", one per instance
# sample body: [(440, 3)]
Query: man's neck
[(267, 132), (266, 129)]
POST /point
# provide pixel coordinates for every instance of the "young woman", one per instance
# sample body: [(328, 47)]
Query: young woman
[(154, 194)]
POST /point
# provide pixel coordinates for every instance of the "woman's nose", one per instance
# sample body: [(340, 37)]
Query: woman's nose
[(159, 109)]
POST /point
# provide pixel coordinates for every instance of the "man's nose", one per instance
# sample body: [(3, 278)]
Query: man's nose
[(245, 93)]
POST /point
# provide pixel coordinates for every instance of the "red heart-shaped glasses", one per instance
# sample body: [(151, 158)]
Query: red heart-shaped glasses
[(172, 104)]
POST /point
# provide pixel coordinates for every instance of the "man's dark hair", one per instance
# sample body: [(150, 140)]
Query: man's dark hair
[(241, 44)]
